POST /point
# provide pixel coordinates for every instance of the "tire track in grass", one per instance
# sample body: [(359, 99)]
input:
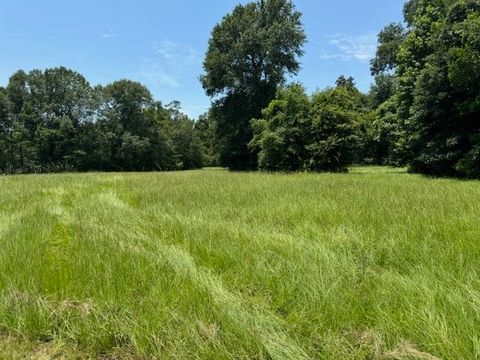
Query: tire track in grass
[(263, 326), (59, 240), (277, 344), (297, 246)]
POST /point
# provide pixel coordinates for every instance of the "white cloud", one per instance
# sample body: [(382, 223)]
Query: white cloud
[(109, 33), (177, 54), (156, 76), (331, 56), (168, 62), (347, 47)]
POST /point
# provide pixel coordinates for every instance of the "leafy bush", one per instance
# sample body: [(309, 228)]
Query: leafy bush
[(317, 133)]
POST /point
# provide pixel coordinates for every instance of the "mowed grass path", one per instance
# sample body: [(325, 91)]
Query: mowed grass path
[(374, 264)]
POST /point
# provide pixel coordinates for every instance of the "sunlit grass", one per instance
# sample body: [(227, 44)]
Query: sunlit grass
[(374, 264)]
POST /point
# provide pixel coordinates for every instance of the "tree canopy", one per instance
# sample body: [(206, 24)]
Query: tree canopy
[(248, 56)]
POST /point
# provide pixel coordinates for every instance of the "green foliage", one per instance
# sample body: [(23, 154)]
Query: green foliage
[(188, 147), (437, 75), (334, 131), (281, 136), (5, 125), (206, 128), (232, 115), (253, 47), (387, 134), (55, 121), (389, 42), (444, 109), (249, 54), (317, 133), (384, 88)]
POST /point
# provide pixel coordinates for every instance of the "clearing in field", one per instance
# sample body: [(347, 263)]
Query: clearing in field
[(374, 264)]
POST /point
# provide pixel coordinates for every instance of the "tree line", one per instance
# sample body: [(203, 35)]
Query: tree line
[(423, 110), (53, 120)]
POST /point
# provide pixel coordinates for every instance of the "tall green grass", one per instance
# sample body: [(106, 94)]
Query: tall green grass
[(374, 264)]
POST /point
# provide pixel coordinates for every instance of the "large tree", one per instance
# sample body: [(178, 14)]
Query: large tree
[(249, 54)]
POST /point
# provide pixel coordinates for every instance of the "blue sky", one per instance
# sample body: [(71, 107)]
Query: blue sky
[(161, 43)]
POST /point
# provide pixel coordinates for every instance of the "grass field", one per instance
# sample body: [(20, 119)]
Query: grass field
[(374, 264)]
